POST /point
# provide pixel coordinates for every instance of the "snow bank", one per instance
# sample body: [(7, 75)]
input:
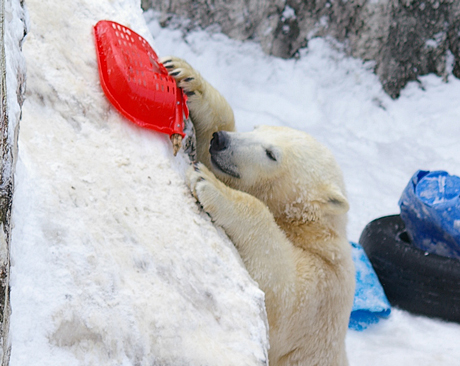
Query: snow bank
[(112, 261)]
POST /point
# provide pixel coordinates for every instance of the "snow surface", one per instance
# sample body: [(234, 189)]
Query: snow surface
[(112, 262)]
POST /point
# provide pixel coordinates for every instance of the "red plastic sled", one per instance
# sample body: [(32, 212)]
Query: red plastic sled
[(136, 83)]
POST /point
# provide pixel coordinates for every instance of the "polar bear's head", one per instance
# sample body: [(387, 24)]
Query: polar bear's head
[(291, 172)]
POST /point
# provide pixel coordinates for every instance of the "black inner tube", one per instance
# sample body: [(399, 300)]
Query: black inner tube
[(413, 280)]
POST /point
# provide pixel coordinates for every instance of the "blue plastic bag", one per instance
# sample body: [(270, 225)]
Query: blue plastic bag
[(430, 209), (370, 303)]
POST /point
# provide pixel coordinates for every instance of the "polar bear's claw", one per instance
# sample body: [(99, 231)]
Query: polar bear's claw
[(186, 77), (206, 188), (209, 111)]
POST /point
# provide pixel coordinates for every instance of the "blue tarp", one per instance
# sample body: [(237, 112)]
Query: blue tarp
[(430, 209), (370, 303)]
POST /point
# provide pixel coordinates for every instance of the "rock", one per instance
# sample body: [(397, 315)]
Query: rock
[(417, 43), (405, 38), (12, 96)]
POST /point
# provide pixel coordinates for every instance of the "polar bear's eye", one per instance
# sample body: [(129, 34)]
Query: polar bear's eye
[(270, 154)]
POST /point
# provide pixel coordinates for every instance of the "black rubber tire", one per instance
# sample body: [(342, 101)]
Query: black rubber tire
[(413, 280)]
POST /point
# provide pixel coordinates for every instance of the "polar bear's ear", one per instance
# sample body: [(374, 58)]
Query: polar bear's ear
[(335, 202)]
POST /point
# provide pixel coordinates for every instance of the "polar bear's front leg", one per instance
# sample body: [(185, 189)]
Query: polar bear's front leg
[(266, 252), (209, 110)]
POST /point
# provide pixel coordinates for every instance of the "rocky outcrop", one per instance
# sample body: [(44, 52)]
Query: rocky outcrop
[(405, 38), (12, 96)]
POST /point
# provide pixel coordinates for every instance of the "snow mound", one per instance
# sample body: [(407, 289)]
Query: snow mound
[(113, 263)]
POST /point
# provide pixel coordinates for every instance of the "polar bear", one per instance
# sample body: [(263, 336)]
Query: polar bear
[(280, 197)]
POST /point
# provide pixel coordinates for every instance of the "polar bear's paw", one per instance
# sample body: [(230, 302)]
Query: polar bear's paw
[(206, 188), (185, 75)]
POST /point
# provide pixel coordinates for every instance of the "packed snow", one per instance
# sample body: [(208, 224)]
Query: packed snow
[(112, 261)]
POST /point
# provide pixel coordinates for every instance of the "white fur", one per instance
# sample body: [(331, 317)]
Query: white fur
[(286, 214)]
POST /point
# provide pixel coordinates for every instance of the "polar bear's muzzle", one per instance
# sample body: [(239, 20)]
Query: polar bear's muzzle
[(221, 154)]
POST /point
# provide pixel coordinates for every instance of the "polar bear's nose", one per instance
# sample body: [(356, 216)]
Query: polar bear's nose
[(220, 141)]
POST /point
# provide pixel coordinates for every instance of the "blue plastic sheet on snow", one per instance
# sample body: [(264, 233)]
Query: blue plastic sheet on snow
[(430, 209), (370, 303)]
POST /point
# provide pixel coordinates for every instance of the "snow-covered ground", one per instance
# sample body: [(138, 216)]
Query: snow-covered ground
[(112, 263)]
